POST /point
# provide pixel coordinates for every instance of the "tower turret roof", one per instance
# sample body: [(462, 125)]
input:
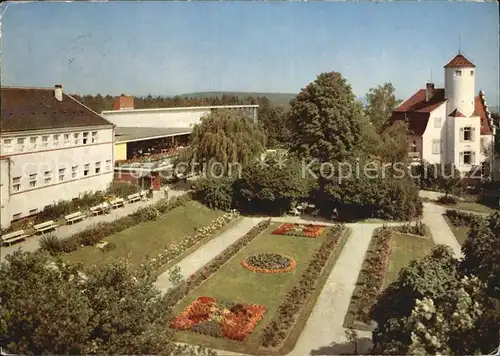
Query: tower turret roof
[(460, 62)]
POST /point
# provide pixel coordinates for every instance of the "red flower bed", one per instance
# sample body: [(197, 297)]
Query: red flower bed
[(300, 230), (232, 321)]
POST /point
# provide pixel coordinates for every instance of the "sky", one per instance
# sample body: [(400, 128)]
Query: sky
[(168, 48)]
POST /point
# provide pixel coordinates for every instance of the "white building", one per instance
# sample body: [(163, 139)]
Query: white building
[(452, 124), (52, 148)]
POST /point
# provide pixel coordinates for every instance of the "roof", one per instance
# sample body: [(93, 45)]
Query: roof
[(479, 110), (131, 134), (181, 108), (456, 113), (460, 62), (25, 109)]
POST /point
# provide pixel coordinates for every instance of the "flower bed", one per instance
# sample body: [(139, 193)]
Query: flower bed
[(269, 263), (219, 319), (310, 230)]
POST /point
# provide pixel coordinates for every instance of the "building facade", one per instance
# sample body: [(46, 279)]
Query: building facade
[(450, 124), (53, 148)]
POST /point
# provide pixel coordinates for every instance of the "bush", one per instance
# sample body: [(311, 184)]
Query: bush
[(448, 200), (459, 218), (418, 228), (51, 244), (123, 189), (216, 193)]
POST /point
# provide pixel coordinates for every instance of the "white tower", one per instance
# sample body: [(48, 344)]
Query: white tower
[(459, 85)]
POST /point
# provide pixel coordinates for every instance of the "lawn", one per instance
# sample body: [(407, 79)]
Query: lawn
[(403, 249), (474, 207), (236, 284), (460, 232), (150, 238)]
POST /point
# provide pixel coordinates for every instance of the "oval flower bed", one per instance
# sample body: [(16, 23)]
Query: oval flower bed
[(302, 230), (219, 319), (269, 263)]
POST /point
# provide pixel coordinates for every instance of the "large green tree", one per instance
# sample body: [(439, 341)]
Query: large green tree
[(326, 120), (227, 138), (381, 103), (274, 121)]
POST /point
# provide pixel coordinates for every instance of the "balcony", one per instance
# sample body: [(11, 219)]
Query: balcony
[(414, 156)]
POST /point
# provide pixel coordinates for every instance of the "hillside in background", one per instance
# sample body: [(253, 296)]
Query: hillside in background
[(280, 99)]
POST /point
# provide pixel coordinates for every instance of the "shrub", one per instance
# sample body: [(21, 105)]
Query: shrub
[(448, 200), (123, 189), (216, 193), (51, 244), (418, 228), (459, 218)]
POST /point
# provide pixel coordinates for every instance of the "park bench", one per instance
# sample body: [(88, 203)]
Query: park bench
[(45, 226), (96, 210), (10, 238), (117, 203), (144, 194), (75, 217), (132, 198)]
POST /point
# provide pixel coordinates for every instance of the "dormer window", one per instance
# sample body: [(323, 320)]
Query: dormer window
[(458, 73)]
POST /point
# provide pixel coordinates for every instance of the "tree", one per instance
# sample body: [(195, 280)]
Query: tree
[(54, 309), (381, 103), (326, 120), (216, 193), (227, 138), (449, 179), (274, 121)]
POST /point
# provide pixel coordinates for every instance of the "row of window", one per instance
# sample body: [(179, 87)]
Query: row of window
[(458, 73), (34, 143), (62, 175)]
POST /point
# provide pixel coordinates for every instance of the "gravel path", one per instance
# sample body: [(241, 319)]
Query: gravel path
[(441, 232)]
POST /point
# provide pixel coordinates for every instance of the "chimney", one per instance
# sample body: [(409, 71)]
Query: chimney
[(124, 102), (58, 92), (429, 91)]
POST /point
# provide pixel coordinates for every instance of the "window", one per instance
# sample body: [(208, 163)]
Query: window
[(86, 169), (108, 165), (47, 177), (16, 184), (55, 140), (7, 145), (413, 146), (45, 141), (74, 171), (20, 144), (97, 167), (62, 172), (16, 216), (458, 73), (85, 137), (66, 139), (94, 137), (437, 122), (467, 157), (467, 134), (76, 138), (33, 180), (33, 141), (436, 147), (471, 73), (33, 211)]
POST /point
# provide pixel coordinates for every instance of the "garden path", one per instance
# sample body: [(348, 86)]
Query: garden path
[(441, 232), (32, 243)]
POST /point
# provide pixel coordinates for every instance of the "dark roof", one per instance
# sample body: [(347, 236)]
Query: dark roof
[(460, 62), (456, 113), (24, 109), (480, 111)]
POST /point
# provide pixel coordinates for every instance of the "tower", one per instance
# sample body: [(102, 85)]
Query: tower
[(459, 85)]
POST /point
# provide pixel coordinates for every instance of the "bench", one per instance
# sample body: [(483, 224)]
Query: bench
[(10, 238), (75, 217), (96, 210), (144, 194), (44, 227), (132, 198), (117, 203)]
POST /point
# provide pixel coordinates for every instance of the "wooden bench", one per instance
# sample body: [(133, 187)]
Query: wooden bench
[(96, 210), (12, 237), (117, 203), (132, 198), (75, 217), (45, 226)]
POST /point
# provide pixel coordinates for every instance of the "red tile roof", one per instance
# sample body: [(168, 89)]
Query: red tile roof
[(481, 112), (25, 109), (456, 113), (460, 62)]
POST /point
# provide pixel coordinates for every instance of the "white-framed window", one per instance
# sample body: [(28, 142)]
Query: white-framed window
[(86, 169), (33, 180), (467, 158), (33, 142), (108, 165), (94, 136), (74, 171), (66, 140), (47, 177), (33, 211), (45, 141), (16, 184), (437, 122), (76, 138), (62, 173), (436, 147), (97, 167), (467, 133), (85, 138), (20, 144), (55, 140), (16, 216), (458, 73), (7, 145)]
